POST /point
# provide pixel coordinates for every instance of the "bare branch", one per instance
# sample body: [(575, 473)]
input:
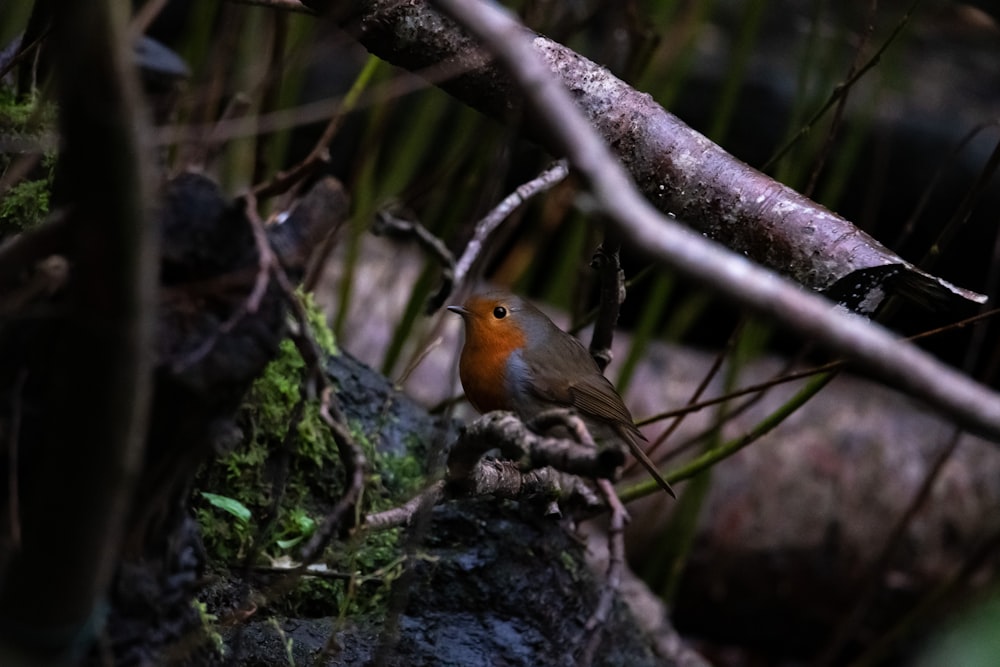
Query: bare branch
[(504, 479), (504, 431), (388, 224), (403, 515), (489, 224)]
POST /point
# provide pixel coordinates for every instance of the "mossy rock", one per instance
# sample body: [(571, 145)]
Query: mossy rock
[(257, 503), (488, 583)]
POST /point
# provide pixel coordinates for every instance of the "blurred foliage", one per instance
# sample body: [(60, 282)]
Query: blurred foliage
[(24, 206), (24, 201), (13, 17), (970, 641)]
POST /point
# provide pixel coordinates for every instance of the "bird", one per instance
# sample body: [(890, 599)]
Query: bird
[(515, 358)]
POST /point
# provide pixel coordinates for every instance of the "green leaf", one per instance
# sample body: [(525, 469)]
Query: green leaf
[(288, 544), (231, 505)]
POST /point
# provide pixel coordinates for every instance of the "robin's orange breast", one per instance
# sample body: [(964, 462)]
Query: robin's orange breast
[(484, 367)]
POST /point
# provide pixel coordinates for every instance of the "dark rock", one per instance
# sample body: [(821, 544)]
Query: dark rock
[(489, 583)]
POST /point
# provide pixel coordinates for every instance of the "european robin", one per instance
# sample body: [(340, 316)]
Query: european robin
[(515, 358)]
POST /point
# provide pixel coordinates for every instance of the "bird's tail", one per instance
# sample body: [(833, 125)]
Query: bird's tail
[(640, 455)]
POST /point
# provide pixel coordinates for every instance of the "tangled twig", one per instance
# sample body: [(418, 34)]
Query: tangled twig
[(504, 431), (613, 580)]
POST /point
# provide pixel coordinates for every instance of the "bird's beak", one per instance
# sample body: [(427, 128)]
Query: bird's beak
[(458, 310)]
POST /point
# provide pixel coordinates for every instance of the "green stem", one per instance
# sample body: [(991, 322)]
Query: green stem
[(724, 451)]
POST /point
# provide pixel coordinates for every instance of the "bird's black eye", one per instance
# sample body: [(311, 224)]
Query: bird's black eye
[(499, 312)]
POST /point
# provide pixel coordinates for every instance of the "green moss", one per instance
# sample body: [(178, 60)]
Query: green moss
[(360, 570), (209, 626), (570, 563), (24, 206), (317, 320), (24, 118), (23, 125)]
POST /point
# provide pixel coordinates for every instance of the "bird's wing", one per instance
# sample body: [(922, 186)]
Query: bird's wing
[(547, 371), (590, 393), (595, 396)]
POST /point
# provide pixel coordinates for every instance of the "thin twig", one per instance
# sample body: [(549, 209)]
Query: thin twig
[(267, 261), (23, 51), (724, 451), (320, 153), (944, 167), (761, 388), (844, 90), (930, 605), (404, 514), (611, 279), (485, 228), (342, 516), (870, 584), (389, 224), (204, 148), (613, 577), (144, 17), (418, 359), (729, 413), (798, 375), (973, 353), (964, 209), (306, 114), (699, 390)]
